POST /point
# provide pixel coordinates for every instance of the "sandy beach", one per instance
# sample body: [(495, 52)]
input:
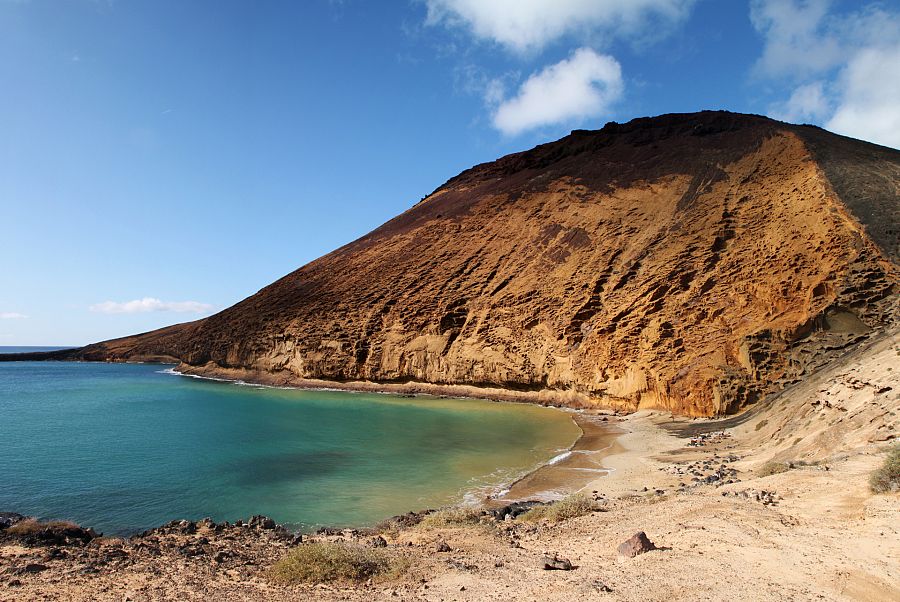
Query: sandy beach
[(723, 526)]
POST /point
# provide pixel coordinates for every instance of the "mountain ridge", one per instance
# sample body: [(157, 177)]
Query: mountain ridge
[(687, 262)]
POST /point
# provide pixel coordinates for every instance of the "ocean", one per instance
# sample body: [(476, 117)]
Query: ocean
[(126, 447)]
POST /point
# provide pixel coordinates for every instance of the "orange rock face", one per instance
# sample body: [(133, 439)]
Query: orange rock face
[(691, 263)]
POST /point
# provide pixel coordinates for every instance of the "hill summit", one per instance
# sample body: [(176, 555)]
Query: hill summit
[(686, 262)]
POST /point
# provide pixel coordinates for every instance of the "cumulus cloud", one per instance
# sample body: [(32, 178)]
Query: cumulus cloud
[(794, 41), (148, 304), (807, 103), (869, 102), (844, 68), (528, 25), (12, 315), (582, 86)]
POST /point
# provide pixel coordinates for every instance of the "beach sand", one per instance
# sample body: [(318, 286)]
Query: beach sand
[(813, 531)]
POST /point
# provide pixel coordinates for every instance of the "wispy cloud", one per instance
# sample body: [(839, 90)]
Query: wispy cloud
[(529, 25), (843, 69), (12, 315), (582, 86), (150, 304)]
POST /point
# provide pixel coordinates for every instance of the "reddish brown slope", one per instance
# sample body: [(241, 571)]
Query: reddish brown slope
[(687, 262)]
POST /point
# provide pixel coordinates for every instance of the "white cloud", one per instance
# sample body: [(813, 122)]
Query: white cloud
[(845, 68), (12, 315), (807, 103), (148, 304), (528, 25), (869, 103), (582, 86), (794, 42)]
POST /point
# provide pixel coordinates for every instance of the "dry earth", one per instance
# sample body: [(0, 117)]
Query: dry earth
[(814, 532)]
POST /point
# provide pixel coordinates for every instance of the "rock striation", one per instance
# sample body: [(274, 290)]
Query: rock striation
[(689, 262)]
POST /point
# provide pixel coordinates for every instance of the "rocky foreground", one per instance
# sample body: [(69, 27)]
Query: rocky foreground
[(773, 504)]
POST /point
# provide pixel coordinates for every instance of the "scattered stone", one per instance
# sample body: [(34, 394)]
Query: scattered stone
[(636, 544), (708, 439), (441, 546), (34, 568), (555, 563), (462, 566), (763, 496), (14, 583)]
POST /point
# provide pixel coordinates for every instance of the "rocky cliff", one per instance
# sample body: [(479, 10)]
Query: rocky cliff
[(690, 262)]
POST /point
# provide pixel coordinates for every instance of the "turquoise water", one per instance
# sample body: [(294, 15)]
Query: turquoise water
[(30, 349), (125, 447)]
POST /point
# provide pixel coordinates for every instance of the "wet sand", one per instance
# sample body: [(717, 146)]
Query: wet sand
[(575, 470)]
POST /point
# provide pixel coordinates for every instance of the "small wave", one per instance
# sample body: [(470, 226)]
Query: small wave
[(559, 458)]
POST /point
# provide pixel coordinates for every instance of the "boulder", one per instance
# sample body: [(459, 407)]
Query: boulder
[(636, 544)]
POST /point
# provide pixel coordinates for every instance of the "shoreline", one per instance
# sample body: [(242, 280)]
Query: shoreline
[(564, 474), (546, 397), (581, 466)]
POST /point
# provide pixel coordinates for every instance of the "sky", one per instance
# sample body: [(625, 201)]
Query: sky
[(160, 160)]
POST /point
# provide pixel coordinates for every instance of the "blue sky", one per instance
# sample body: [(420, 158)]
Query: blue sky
[(161, 160)]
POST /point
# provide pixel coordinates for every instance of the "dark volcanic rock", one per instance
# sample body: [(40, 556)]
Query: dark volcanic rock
[(261, 522), (513, 510), (7, 519), (555, 563)]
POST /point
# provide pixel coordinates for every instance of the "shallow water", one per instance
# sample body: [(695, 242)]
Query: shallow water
[(124, 447)]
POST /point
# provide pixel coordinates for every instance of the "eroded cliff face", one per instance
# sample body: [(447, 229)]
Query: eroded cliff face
[(691, 263)]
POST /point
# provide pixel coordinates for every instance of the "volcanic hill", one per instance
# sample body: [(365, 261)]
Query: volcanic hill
[(687, 262)]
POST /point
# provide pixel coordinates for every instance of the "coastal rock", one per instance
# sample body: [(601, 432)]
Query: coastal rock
[(184, 527), (513, 510), (636, 544), (8, 519), (261, 522), (692, 263), (378, 542)]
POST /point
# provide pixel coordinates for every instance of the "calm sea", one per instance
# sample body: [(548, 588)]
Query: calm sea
[(31, 349), (125, 447)]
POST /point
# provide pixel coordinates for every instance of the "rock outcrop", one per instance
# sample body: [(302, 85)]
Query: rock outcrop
[(692, 263)]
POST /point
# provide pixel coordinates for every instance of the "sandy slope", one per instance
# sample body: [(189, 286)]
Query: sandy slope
[(818, 533)]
